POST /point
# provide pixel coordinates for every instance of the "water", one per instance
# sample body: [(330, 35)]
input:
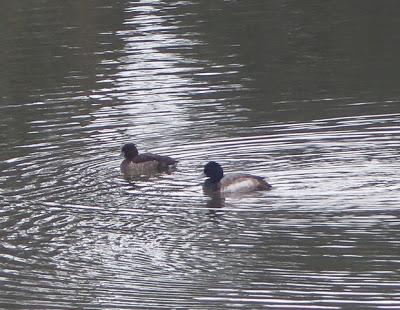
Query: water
[(304, 94)]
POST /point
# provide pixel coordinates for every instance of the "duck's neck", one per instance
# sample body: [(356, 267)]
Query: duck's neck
[(130, 156), (216, 178)]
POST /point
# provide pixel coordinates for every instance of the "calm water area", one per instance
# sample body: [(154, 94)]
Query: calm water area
[(305, 93)]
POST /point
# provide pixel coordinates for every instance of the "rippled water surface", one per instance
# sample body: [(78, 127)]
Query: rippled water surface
[(303, 94)]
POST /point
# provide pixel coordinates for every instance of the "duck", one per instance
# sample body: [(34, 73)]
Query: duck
[(136, 164), (217, 182)]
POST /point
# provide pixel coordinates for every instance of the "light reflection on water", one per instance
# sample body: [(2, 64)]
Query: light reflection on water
[(76, 234)]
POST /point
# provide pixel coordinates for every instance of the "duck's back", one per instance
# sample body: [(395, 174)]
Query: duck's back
[(146, 164), (163, 161), (240, 182)]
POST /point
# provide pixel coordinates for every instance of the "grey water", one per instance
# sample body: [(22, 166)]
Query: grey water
[(305, 93)]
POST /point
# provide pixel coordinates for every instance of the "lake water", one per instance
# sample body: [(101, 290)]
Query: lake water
[(306, 94)]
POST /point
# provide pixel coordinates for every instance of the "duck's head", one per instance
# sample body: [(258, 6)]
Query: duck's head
[(130, 151), (214, 171)]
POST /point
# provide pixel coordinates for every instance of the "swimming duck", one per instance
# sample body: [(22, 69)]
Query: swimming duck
[(231, 183), (136, 164)]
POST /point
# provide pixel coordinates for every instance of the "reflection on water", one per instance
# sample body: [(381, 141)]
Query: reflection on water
[(276, 95)]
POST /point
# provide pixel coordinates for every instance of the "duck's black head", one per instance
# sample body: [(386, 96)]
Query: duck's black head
[(130, 151), (214, 171)]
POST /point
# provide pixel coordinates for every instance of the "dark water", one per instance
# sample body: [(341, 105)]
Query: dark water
[(303, 93)]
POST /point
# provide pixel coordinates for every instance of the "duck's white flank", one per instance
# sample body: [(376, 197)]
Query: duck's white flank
[(237, 182)]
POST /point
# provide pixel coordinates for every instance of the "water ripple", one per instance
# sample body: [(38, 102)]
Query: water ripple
[(75, 234)]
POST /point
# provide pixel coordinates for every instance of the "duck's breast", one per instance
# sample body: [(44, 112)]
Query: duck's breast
[(238, 182)]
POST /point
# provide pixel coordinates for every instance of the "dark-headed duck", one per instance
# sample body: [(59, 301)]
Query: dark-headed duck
[(136, 164), (232, 182)]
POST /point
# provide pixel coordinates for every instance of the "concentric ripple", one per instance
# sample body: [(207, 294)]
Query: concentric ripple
[(325, 235), (75, 234)]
